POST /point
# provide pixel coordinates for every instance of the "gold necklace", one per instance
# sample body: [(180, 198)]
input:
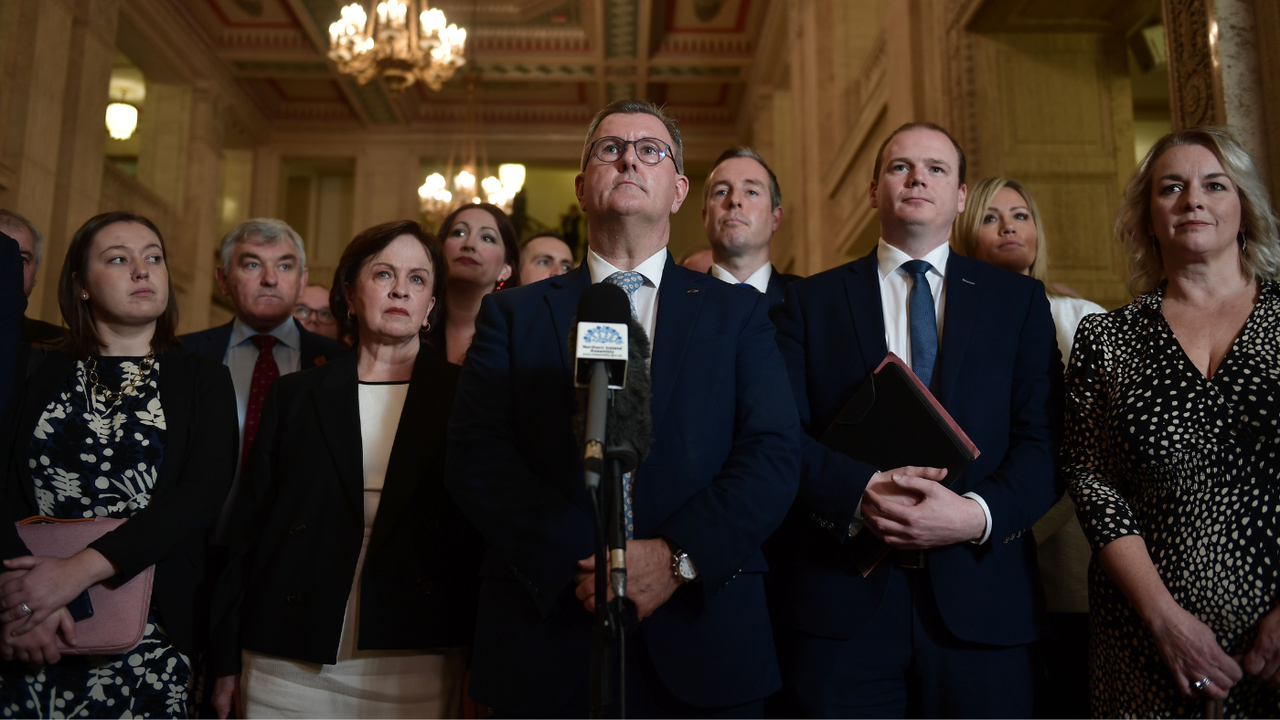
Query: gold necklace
[(100, 390)]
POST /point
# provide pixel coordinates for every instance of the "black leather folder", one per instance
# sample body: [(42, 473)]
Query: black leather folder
[(894, 421)]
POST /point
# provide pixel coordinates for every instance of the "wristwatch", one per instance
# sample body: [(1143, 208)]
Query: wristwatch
[(681, 564)]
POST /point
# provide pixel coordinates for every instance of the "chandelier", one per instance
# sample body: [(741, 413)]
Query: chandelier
[(438, 200), (394, 47)]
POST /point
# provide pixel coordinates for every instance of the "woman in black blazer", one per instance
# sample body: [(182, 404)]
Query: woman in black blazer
[(119, 421), (351, 585)]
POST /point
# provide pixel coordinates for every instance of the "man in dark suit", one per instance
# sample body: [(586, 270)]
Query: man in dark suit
[(263, 272), (12, 304), (942, 627), (30, 245), (741, 210), (722, 470)]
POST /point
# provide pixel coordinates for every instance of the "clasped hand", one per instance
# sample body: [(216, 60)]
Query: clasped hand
[(44, 585), (650, 580), (908, 509), (37, 643)]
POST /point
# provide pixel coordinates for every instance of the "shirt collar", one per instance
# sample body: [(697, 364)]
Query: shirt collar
[(650, 269), (287, 333), (891, 258), (758, 279)]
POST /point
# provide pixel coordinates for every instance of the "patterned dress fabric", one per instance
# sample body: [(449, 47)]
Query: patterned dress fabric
[(1153, 448), (94, 458)]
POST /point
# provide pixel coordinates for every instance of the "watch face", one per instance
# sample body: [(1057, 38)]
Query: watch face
[(686, 569)]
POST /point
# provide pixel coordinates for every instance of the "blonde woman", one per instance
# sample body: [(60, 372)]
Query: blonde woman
[(1172, 430), (1001, 225)]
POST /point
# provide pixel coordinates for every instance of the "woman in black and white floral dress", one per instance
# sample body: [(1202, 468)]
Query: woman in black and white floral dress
[(1172, 443), (120, 422)]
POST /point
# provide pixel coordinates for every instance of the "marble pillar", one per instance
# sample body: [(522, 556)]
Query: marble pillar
[(77, 194)]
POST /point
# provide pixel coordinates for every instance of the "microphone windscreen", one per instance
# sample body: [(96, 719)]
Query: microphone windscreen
[(630, 417), (605, 303)]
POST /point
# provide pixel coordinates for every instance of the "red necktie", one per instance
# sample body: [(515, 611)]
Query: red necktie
[(265, 370)]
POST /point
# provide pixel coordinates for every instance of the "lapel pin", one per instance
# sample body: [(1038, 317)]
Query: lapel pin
[(969, 281), (694, 291)]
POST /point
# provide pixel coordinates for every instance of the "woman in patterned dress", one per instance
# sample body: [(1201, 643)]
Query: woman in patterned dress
[(1172, 439), (121, 422)]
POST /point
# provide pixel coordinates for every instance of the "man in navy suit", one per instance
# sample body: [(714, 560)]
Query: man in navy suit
[(263, 272), (723, 467), (741, 210), (942, 627)]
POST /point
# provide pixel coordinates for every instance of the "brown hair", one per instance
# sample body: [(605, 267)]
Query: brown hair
[(742, 151), (360, 251), (1257, 219), (511, 246), (82, 334), (875, 173)]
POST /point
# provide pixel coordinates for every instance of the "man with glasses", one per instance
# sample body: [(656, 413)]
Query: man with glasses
[(312, 311), (719, 478)]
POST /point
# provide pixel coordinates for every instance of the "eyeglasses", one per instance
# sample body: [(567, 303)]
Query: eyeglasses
[(302, 312), (650, 151)]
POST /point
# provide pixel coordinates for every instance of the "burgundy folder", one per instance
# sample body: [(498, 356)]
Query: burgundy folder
[(894, 421)]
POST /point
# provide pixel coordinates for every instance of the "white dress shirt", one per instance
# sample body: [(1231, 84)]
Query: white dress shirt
[(758, 280), (645, 298), (242, 355), (895, 294)]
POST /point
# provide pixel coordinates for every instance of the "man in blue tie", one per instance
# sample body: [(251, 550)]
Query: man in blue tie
[(943, 626), (741, 210), (721, 474)]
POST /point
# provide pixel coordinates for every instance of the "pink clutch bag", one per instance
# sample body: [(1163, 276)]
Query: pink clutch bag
[(120, 613)]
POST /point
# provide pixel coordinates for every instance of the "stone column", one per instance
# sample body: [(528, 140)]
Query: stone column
[(1215, 76), (37, 76), (78, 191), (199, 216)]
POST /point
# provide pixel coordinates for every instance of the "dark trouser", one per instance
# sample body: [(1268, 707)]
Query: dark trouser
[(905, 663), (1062, 667), (647, 695)]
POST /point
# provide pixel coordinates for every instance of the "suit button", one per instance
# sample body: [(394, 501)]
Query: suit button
[(294, 599), (297, 529)]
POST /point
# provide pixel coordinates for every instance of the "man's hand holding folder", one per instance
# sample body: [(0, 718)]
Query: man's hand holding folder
[(910, 509)]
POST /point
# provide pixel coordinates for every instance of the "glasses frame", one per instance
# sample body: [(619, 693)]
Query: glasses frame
[(306, 312), (591, 151)]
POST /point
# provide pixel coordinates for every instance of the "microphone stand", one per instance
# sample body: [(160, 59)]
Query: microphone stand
[(612, 617)]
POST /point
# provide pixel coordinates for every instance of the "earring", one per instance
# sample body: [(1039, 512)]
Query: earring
[(84, 296), (499, 286), (428, 327), (1244, 242), (351, 315)]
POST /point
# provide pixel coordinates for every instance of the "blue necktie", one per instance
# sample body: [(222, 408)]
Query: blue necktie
[(629, 281), (747, 285), (924, 321)]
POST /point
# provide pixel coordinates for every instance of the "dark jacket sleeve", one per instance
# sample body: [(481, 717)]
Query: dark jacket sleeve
[(243, 531), (832, 483), (528, 521), (186, 508), (1021, 490), (724, 524)]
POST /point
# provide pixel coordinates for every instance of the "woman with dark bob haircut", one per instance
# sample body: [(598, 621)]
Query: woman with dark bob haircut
[(483, 256), (119, 421), (352, 580)]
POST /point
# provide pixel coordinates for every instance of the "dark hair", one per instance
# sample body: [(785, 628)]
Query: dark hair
[(82, 334), (511, 246), (636, 107), (875, 173), (741, 151), (535, 236), (364, 247)]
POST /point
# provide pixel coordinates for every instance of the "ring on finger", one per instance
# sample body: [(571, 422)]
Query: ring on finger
[(1202, 683), (25, 610)]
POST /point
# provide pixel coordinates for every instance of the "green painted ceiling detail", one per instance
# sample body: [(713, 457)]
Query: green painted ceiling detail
[(678, 71), (622, 22), (538, 71)]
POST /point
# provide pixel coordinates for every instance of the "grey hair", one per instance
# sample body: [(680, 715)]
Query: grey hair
[(742, 151), (10, 220), (1257, 219), (267, 231), (636, 107)]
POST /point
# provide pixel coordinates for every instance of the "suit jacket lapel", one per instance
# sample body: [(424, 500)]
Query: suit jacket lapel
[(774, 290), (562, 301), (862, 289), (679, 300), (338, 410), (962, 300), (419, 438)]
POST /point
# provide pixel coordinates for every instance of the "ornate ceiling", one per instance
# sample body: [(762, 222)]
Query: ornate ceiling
[(537, 61)]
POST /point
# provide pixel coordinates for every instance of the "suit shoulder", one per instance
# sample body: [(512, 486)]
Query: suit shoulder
[(823, 280)]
